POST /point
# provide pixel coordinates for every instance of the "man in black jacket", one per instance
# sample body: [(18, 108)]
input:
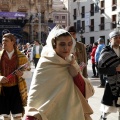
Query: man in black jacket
[(109, 65)]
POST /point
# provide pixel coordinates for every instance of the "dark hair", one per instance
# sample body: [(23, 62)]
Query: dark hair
[(95, 43), (37, 41), (55, 39), (70, 29)]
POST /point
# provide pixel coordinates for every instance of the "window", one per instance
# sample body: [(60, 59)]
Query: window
[(92, 10), (83, 25), (102, 4), (63, 17), (114, 5), (92, 25), (92, 40), (42, 18), (74, 0), (78, 26), (83, 12), (63, 26), (118, 18), (56, 17), (102, 11), (102, 23), (114, 25), (75, 25), (114, 2), (74, 14), (83, 40)]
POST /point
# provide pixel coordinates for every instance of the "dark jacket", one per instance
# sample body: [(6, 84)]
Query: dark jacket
[(81, 56)]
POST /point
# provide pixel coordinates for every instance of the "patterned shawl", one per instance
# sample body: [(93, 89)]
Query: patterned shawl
[(109, 60)]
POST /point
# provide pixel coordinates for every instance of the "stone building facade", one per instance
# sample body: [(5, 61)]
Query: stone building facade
[(60, 13), (94, 18), (27, 19)]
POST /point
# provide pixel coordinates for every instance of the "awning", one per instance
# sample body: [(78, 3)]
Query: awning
[(13, 14)]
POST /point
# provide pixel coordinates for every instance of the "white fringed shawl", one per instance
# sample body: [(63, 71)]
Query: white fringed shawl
[(53, 95)]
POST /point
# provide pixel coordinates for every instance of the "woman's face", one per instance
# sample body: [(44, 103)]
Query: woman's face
[(63, 46)]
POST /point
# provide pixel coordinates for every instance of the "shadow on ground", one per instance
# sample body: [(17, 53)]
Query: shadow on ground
[(95, 82)]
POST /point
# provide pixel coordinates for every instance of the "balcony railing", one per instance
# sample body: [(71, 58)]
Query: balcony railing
[(102, 26)]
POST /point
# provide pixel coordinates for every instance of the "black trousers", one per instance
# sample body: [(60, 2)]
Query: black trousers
[(108, 97), (10, 101), (94, 69), (35, 61), (102, 77)]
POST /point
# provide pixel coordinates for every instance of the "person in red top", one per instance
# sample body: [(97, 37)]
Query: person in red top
[(95, 73)]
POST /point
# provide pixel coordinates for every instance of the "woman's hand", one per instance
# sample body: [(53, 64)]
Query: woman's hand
[(19, 73), (71, 69)]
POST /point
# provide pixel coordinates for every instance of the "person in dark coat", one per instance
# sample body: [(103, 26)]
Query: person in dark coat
[(109, 65), (80, 51)]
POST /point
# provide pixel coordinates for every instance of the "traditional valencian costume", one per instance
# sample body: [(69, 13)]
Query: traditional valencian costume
[(53, 94), (10, 92), (109, 60)]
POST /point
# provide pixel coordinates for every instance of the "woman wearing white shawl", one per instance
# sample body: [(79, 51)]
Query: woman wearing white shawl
[(53, 94)]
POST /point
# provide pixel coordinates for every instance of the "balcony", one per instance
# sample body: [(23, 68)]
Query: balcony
[(74, 16), (102, 10), (91, 27), (92, 12), (83, 15), (5, 7), (22, 9), (114, 7), (113, 24), (102, 26)]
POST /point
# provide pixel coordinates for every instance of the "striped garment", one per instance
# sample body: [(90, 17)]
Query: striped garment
[(107, 64)]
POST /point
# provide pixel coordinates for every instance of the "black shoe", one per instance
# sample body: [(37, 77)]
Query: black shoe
[(101, 86), (97, 76), (101, 118), (93, 76)]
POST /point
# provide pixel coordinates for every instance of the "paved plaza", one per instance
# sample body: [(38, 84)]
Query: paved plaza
[(94, 101)]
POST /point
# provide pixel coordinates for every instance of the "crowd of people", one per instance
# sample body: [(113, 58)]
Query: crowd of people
[(59, 88)]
